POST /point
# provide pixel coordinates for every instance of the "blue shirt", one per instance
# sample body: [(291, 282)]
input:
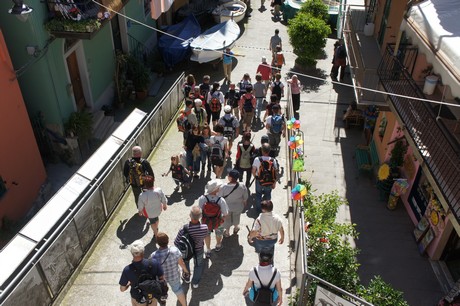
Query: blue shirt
[(132, 272), (228, 59)]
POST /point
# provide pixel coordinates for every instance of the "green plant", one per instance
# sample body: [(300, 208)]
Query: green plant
[(307, 35), (121, 60), (380, 293), (80, 124), (138, 73), (84, 25), (316, 8), (397, 154)]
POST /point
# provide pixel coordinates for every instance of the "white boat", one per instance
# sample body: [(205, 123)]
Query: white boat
[(212, 42), (234, 9)]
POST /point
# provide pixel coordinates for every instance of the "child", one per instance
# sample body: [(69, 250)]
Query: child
[(180, 174), (231, 98), (244, 155)]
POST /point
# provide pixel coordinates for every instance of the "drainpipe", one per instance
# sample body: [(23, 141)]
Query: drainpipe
[(398, 38)]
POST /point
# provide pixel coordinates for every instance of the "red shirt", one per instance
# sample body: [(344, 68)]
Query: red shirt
[(264, 69)]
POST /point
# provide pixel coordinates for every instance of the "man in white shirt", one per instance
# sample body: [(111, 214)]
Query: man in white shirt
[(264, 169), (266, 228)]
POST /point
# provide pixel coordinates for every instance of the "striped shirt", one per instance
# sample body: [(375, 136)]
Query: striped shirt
[(168, 259), (198, 232)]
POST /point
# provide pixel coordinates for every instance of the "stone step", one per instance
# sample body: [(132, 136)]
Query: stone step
[(97, 118), (102, 128), (443, 275)]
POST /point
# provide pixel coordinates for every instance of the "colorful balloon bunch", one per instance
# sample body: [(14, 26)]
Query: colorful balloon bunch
[(295, 142), (293, 123), (298, 192), (297, 153)]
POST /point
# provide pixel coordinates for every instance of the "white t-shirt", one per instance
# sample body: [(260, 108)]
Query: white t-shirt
[(268, 225), (152, 200), (256, 163), (265, 274), (223, 205), (222, 140)]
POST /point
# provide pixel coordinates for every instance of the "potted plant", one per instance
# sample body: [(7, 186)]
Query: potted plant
[(120, 78), (141, 81), (307, 35)]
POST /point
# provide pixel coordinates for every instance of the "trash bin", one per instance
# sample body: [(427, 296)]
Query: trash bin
[(430, 84)]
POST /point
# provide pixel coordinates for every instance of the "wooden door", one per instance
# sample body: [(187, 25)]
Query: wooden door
[(74, 72)]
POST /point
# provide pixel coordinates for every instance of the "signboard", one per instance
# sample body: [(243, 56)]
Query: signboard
[(324, 297)]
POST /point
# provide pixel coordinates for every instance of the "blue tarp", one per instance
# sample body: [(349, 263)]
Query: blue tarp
[(175, 50)]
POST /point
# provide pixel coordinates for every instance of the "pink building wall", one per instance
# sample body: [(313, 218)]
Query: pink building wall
[(21, 166)]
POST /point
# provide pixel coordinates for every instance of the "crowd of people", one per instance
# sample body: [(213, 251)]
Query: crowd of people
[(214, 125)]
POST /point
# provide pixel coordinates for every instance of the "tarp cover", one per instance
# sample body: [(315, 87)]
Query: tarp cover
[(436, 23), (175, 50)]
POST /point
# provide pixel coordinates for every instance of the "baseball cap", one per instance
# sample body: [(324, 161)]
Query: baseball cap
[(264, 139)]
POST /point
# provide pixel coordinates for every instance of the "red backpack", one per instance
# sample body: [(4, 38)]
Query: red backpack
[(212, 215)]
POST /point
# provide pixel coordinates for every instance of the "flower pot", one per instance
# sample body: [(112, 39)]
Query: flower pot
[(430, 84)]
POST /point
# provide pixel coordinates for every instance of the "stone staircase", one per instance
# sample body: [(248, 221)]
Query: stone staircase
[(103, 126)]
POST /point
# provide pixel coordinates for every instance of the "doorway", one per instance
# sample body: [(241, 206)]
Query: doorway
[(75, 80)]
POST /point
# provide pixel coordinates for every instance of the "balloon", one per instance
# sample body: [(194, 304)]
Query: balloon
[(300, 142), (297, 138), (292, 138), (302, 187), (303, 192), (293, 145), (297, 197), (297, 125), (293, 119)]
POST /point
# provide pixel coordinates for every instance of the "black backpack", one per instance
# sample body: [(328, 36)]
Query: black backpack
[(276, 89), (148, 286), (247, 106), (263, 295), (267, 172), (341, 52), (186, 245), (217, 154), (229, 131)]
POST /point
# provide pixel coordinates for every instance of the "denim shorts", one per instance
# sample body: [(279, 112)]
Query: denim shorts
[(176, 287)]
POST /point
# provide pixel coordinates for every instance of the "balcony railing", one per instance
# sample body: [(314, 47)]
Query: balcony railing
[(437, 146), (79, 18)]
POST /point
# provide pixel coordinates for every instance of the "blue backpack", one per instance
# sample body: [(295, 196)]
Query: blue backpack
[(276, 124)]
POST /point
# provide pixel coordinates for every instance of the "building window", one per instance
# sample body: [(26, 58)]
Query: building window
[(147, 4)]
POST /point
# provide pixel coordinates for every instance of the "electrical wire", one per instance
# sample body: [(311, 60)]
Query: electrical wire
[(291, 71)]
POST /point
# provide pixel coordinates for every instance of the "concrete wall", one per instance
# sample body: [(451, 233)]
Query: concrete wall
[(21, 166), (38, 262)]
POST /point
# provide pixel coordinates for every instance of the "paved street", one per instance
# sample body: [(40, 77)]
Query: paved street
[(386, 243)]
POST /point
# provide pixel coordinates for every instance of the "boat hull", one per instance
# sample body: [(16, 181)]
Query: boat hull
[(234, 9)]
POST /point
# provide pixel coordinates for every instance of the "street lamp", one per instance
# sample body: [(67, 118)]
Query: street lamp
[(20, 10)]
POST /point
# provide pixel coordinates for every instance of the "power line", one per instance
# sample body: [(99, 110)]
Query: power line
[(290, 71)]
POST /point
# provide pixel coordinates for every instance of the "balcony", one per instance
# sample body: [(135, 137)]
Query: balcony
[(363, 56), (434, 129), (79, 19)]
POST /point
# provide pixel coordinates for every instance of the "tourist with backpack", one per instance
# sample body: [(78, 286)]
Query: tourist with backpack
[(204, 89), (258, 152), (151, 202), (244, 158), (192, 147), (218, 150), (141, 272), (200, 113), (278, 60), (264, 169), (340, 61), (231, 127), (232, 98), (170, 259), (264, 284), (190, 241), (215, 100), (276, 127), (189, 86), (260, 94), (134, 170), (215, 210), (236, 196), (245, 83), (277, 87), (247, 106), (186, 119), (180, 174), (266, 227), (268, 110), (206, 133)]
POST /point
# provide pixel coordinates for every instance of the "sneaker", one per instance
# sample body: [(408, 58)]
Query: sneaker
[(218, 248), (208, 254), (195, 286), (186, 277)]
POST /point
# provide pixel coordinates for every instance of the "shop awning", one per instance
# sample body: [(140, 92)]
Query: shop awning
[(158, 7), (434, 26)]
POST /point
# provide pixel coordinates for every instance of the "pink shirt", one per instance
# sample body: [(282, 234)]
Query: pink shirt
[(295, 87)]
